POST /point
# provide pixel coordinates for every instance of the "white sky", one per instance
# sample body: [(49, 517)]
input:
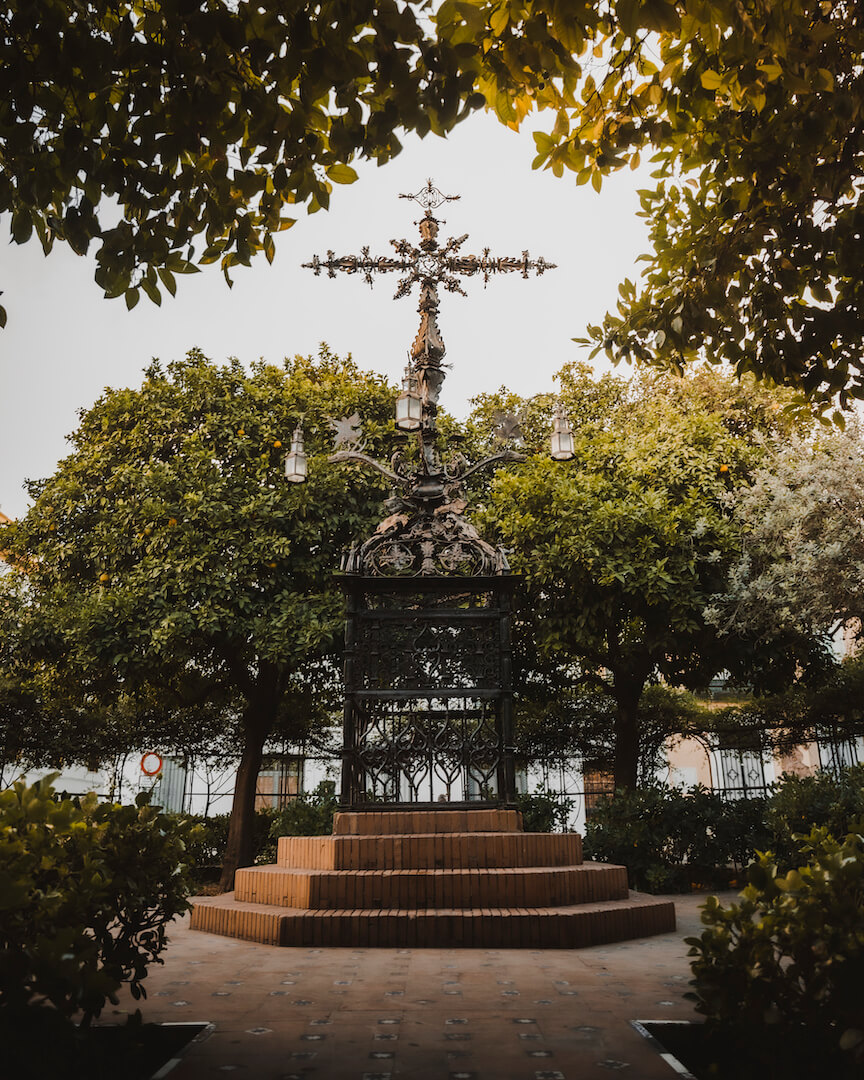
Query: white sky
[(64, 342)]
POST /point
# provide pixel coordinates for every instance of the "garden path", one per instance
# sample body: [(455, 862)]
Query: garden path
[(421, 1014)]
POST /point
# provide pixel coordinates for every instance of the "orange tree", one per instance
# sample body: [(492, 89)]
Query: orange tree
[(168, 565), (623, 548)]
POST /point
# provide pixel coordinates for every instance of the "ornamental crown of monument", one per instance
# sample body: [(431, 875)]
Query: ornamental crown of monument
[(425, 532)]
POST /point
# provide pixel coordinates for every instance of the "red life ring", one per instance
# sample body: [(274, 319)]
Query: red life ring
[(151, 772)]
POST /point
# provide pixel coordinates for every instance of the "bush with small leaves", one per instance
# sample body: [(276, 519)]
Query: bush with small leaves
[(544, 811), (835, 801), (87, 890), (672, 840), (206, 847), (778, 976), (303, 815)]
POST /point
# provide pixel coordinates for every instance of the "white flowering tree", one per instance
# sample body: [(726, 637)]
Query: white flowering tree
[(801, 570)]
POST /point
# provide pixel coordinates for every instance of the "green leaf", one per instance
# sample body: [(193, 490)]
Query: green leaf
[(168, 280), (341, 174), (22, 226), (499, 19), (152, 289)]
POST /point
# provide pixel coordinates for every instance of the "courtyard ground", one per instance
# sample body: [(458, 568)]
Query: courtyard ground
[(421, 1014)]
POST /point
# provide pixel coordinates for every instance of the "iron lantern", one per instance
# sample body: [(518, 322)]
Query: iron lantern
[(409, 404), (295, 462), (562, 436)]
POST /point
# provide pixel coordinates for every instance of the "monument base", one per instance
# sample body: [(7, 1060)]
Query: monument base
[(433, 879)]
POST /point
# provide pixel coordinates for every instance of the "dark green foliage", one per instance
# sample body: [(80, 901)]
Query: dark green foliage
[(209, 124), (86, 893), (205, 849), (169, 574), (798, 803), (621, 551), (544, 811), (780, 973), (303, 815), (307, 815), (671, 840)]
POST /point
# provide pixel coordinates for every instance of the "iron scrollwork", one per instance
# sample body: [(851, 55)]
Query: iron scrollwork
[(430, 747)]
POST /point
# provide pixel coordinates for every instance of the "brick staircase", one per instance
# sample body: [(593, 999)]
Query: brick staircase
[(433, 878)]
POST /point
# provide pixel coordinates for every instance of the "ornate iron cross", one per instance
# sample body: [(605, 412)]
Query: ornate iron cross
[(428, 265), (427, 495)]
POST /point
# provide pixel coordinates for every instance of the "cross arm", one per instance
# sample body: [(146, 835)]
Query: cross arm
[(488, 264), (363, 263)]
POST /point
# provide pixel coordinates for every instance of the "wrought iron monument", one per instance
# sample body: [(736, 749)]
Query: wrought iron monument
[(428, 671)]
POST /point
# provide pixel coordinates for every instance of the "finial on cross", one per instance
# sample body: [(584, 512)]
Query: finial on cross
[(430, 197)]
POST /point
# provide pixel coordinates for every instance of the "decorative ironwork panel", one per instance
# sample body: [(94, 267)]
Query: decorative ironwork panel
[(424, 544), (449, 599), (428, 703), (427, 654), (742, 773), (837, 751), (426, 750)]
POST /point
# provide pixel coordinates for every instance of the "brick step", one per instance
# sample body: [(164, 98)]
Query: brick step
[(389, 822), (422, 889), (570, 927), (430, 851)]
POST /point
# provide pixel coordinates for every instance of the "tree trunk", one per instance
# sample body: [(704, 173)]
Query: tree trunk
[(627, 696), (258, 720)]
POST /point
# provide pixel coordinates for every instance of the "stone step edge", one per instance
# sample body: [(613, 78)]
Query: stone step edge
[(432, 871), (414, 822), (575, 926), (406, 850), (406, 889)]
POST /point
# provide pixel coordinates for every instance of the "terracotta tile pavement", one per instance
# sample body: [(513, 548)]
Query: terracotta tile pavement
[(421, 1014)]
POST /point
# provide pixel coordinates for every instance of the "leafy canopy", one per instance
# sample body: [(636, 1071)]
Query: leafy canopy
[(203, 123), (207, 123), (801, 569), (168, 566), (622, 548), (754, 115)]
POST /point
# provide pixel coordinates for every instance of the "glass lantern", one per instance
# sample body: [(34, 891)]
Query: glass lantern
[(409, 405), (295, 462), (562, 437)]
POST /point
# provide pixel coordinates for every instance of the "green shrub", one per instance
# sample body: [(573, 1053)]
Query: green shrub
[(86, 893), (798, 803), (779, 975), (671, 840), (304, 815), (206, 849), (544, 811)]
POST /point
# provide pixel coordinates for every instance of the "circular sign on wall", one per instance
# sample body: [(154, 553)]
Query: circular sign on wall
[(151, 763)]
